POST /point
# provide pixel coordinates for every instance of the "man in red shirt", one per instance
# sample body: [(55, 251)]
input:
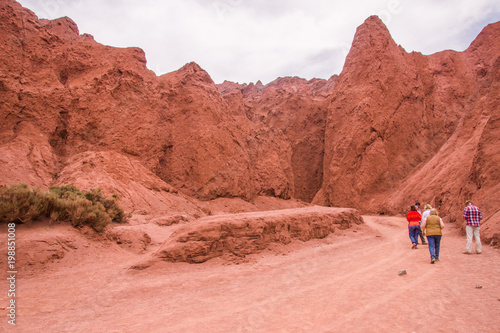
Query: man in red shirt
[(472, 216)]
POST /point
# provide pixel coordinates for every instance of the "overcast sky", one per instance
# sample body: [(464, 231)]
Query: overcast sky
[(249, 40)]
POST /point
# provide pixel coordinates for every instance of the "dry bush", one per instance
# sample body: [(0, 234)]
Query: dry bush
[(19, 203)]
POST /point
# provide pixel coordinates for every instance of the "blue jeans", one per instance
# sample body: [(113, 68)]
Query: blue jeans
[(413, 232), (434, 245)]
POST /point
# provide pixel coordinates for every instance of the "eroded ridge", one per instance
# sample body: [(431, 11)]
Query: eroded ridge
[(247, 233)]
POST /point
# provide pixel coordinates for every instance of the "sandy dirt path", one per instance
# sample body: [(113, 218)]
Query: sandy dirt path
[(347, 282)]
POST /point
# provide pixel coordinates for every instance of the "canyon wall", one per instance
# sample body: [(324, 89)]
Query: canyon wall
[(404, 127), (393, 128)]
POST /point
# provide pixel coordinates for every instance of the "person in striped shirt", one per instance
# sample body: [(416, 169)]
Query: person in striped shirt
[(472, 216)]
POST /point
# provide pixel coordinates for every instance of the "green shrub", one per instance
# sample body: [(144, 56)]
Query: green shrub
[(18, 203)]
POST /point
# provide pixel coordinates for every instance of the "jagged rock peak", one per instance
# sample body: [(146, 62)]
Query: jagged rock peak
[(372, 43), (61, 24), (487, 42), (191, 67), (194, 71), (229, 86), (64, 28), (373, 33)]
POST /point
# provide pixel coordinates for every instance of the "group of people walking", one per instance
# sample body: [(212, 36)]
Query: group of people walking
[(429, 224)]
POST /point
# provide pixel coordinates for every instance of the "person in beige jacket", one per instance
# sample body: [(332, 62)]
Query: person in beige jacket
[(431, 228)]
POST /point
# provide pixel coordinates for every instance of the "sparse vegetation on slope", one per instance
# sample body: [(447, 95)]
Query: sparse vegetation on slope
[(19, 203)]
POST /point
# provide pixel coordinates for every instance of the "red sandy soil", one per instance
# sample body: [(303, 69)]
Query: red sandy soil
[(347, 282)]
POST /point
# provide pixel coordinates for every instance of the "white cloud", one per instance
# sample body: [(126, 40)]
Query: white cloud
[(248, 40), (430, 26)]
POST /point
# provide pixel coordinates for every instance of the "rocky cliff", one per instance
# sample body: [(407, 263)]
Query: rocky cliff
[(295, 109), (65, 95), (392, 128), (404, 127)]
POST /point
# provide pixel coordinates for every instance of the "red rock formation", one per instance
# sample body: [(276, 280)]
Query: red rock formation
[(393, 128), (242, 234), (404, 127), (63, 94), (296, 109)]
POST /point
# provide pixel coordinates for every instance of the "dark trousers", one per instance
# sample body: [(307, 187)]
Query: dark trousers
[(422, 238)]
